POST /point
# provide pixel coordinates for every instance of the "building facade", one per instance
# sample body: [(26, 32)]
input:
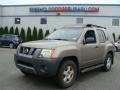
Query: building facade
[(54, 16)]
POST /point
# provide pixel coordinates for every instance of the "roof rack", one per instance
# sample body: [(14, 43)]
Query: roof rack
[(91, 25)]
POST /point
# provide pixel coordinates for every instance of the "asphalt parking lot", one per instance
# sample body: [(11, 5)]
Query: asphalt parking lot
[(12, 79)]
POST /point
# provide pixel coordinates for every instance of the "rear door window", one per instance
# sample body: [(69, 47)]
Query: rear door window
[(4, 37), (101, 36)]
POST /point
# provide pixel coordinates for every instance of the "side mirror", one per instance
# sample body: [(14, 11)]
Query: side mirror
[(90, 40)]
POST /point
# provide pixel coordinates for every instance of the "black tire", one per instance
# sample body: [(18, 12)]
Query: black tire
[(0, 44), (108, 62), (11, 45), (116, 49), (66, 77)]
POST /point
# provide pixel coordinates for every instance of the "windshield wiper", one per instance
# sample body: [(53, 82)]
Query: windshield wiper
[(55, 39), (60, 39)]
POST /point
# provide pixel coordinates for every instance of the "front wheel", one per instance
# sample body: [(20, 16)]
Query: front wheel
[(108, 63), (116, 48), (67, 74)]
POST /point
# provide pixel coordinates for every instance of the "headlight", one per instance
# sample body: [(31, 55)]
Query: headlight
[(47, 53)]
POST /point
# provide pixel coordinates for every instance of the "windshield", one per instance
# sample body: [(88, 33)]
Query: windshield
[(71, 34)]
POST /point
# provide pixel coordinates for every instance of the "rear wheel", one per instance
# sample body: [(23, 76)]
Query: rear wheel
[(67, 74), (108, 63)]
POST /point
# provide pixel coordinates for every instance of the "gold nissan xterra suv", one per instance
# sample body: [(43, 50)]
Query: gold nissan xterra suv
[(66, 53)]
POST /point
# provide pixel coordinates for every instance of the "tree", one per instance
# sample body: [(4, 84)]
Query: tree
[(29, 36), (6, 30), (22, 34), (11, 30), (16, 31), (34, 36), (40, 34), (47, 33), (1, 31), (114, 36)]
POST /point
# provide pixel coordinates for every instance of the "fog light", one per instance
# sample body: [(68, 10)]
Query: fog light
[(43, 68)]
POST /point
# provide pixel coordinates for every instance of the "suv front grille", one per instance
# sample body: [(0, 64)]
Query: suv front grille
[(27, 50)]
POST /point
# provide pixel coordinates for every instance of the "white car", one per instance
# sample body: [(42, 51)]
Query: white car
[(117, 45)]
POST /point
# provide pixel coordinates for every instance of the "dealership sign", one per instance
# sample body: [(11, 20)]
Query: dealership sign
[(64, 9)]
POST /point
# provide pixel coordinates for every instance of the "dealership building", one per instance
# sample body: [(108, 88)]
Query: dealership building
[(55, 16)]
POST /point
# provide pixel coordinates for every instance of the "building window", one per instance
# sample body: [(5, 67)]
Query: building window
[(43, 21), (115, 22), (17, 20), (79, 20)]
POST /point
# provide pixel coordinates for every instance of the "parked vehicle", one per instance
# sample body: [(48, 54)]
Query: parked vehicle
[(10, 40), (117, 45), (66, 53)]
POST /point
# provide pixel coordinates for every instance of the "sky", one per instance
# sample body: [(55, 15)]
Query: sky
[(21, 2)]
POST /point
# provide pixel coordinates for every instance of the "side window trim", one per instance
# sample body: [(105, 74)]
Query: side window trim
[(103, 36)]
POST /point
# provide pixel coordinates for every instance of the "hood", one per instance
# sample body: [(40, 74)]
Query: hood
[(47, 43)]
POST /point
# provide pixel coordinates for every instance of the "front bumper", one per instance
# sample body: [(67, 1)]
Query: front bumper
[(38, 66)]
